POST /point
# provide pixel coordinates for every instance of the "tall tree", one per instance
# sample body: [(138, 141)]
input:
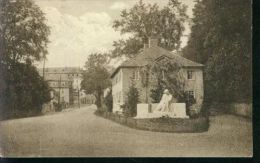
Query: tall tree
[(23, 32), (23, 40), (221, 39), (146, 20), (96, 77)]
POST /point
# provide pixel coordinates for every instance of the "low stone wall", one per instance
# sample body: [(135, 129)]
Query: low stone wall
[(240, 109), (177, 125), (47, 108)]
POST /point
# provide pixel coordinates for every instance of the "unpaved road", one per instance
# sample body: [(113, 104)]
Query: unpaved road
[(81, 133)]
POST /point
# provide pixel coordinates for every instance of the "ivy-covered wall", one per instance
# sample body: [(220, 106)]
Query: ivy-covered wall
[(195, 84)]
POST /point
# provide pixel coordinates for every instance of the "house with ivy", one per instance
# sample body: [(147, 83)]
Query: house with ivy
[(154, 68)]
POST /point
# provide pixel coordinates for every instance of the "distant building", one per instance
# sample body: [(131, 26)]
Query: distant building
[(65, 82), (121, 77)]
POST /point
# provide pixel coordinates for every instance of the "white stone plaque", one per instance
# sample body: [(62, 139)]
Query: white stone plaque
[(142, 110), (179, 110)]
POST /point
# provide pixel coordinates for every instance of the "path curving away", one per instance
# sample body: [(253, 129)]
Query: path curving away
[(79, 132)]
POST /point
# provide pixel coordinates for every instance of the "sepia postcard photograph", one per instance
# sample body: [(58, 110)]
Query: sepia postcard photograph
[(126, 78)]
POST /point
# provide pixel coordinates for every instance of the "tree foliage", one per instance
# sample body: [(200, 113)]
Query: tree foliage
[(108, 100), (130, 108), (23, 40), (169, 75), (96, 60), (146, 20), (23, 32), (221, 40), (96, 77), (24, 92), (157, 92)]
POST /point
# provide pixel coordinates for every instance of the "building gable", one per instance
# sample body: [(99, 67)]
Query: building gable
[(151, 54), (162, 58)]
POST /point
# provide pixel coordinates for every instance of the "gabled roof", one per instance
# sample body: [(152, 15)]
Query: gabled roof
[(150, 54)]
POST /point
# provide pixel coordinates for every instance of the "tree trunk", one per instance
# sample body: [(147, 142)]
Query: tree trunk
[(98, 98)]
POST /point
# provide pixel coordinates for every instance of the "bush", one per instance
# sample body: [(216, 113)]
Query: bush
[(190, 104), (157, 93), (162, 124), (130, 108), (57, 106), (108, 100), (24, 91)]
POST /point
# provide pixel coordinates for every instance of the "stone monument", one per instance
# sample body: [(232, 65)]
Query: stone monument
[(166, 107)]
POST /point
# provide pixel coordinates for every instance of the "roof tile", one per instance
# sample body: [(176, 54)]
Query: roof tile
[(149, 55)]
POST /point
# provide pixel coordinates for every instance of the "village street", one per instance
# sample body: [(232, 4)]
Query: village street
[(81, 133)]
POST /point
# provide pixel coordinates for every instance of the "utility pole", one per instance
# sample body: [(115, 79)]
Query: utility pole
[(78, 91), (59, 90), (78, 97), (78, 76), (43, 69)]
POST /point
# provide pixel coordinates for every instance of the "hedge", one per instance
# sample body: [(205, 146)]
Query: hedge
[(163, 124)]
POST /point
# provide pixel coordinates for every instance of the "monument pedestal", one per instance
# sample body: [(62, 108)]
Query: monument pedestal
[(177, 110)]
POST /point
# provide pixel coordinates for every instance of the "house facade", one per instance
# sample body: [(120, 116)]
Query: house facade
[(61, 89), (65, 83), (130, 71)]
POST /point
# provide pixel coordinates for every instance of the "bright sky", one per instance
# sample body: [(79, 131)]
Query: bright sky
[(80, 27)]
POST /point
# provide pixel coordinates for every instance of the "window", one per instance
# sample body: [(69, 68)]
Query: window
[(190, 74), (136, 75), (191, 94)]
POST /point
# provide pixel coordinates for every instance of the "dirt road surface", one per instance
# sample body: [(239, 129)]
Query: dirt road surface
[(79, 132)]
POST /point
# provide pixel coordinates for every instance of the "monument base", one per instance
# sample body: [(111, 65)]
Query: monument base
[(158, 115), (177, 110)]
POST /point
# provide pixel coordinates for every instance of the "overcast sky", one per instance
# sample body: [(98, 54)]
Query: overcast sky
[(80, 27)]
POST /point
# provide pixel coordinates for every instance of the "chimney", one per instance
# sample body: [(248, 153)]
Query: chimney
[(153, 42)]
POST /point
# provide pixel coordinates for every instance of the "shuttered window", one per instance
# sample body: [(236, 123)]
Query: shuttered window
[(190, 74)]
